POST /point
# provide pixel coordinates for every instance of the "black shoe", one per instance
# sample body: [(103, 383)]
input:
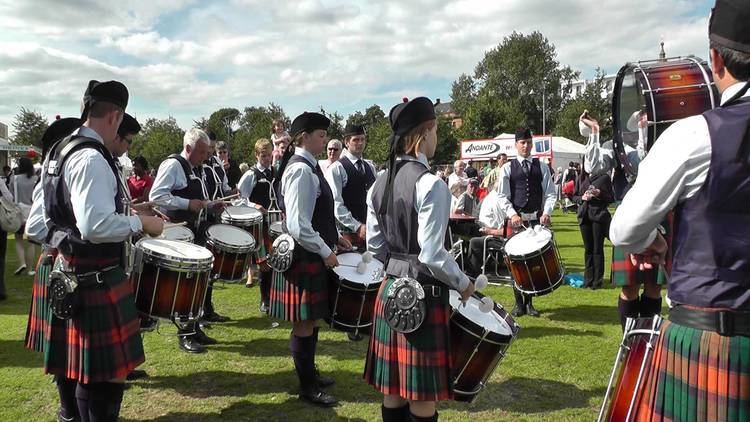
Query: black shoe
[(61, 418), (318, 398), (203, 339), (148, 324), (205, 325), (323, 382), (191, 345), (136, 374), (214, 317), (354, 336), (530, 311), (518, 311), (3, 296), (263, 308)]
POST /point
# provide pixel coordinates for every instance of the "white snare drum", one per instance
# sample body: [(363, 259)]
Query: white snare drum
[(247, 218), (352, 295), (534, 262), (232, 248), (170, 278), (181, 233)]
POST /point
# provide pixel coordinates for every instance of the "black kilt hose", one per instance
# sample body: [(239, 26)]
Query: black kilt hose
[(301, 293)]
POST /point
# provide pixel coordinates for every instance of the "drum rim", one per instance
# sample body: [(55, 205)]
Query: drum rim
[(184, 262), (539, 252), (227, 247), (255, 217), (553, 286), (492, 336)]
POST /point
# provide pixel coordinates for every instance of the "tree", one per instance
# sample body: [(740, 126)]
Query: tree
[(463, 93), (488, 116), (596, 101), (447, 143), (221, 123), (29, 127), (158, 139), (336, 129), (255, 123)]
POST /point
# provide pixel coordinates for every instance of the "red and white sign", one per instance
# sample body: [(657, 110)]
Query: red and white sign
[(486, 149)]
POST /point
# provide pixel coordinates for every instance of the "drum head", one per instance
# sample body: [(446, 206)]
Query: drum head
[(174, 249), (490, 321), (347, 269), (241, 214), (528, 241), (231, 236), (178, 233)]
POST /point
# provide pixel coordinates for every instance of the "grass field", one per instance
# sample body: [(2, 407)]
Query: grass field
[(556, 370)]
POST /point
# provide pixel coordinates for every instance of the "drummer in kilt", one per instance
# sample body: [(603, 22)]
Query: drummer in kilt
[(700, 166), (408, 212), (300, 294)]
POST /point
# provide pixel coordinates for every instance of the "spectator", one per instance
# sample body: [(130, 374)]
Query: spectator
[(490, 181), (231, 168), (468, 202), (333, 152), (139, 184), (7, 175), (471, 172), (22, 188), (3, 243)]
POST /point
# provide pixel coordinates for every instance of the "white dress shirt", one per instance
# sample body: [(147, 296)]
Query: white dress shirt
[(491, 213), (600, 159), (324, 165), (674, 170), (431, 201), (549, 195), (92, 186), (337, 179), (171, 177), (247, 183), (457, 183), (36, 228), (301, 188)]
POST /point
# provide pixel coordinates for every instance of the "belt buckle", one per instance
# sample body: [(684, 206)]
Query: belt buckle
[(726, 324), (98, 277), (435, 290)]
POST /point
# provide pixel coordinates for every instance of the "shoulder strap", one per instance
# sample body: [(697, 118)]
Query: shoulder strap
[(184, 164), (70, 144)]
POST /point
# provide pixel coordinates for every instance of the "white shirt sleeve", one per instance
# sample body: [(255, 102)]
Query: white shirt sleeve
[(548, 190), (597, 159), (674, 170), (36, 228), (337, 180), (92, 188), (300, 188), (170, 177), (246, 185), (503, 191), (375, 238)]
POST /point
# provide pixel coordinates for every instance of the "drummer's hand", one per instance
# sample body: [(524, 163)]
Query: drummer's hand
[(545, 220), (362, 232), (653, 256), (331, 260), (196, 205), (516, 220), (643, 120), (152, 226), (344, 243), (468, 291), (217, 205), (261, 209)]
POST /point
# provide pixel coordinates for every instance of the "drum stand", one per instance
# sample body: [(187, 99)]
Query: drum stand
[(496, 254)]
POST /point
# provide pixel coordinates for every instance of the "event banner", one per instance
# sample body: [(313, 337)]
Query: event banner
[(485, 149)]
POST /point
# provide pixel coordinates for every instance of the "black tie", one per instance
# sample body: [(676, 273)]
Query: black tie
[(525, 167), (359, 166), (267, 174)]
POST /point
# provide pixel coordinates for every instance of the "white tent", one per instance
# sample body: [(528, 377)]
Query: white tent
[(564, 150), (559, 149)]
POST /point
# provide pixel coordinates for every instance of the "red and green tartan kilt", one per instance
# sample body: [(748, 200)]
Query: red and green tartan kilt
[(259, 257), (39, 310), (102, 342), (623, 273), (697, 375), (414, 366), (301, 293)]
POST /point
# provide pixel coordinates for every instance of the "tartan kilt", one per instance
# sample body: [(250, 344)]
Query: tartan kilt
[(414, 366), (102, 342), (697, 376), (261, 255), (623, 273), (39, 310), (301, 293)]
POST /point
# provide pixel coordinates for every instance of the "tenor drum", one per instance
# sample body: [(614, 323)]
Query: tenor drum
[(232, 248), (351, 295), (665, 91), (170, 278), (181, 233), (631, 369), (534, 261), (479, 342), (246, 218)]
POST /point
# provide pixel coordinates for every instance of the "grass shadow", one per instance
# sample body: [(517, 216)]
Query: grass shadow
[(589, 314), (13, 354), (267, 347), (542, 332)]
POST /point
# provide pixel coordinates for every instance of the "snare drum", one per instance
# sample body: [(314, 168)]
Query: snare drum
[(170, 278), (352, 295), (631, 369), (478, 343), (534, 262), (232, 248), (181, 233), (246, 218)]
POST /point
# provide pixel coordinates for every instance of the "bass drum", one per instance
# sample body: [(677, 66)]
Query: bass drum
[(661, 91)]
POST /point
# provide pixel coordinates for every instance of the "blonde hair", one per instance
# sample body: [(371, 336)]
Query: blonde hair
[(261, 145), (409, 144)]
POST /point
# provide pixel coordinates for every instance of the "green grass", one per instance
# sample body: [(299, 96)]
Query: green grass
[(557, 369)]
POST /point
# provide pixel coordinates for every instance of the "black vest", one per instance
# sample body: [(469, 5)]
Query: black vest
[(354, 193), (193, 190), (323, 219), (63, 232), (526, 191), (261, 193)]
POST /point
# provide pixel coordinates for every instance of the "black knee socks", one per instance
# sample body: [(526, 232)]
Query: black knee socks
[(397, 414), (265, 286), (650, 306), (432, 418), (99, 401), (66, 388), (303, 354), (628, 309)]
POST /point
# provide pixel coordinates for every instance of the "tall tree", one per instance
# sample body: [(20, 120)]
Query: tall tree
[(29, 126), (222, 121), (447, 143), (158, 139), (594, 99), (255, 123), (336, 129)]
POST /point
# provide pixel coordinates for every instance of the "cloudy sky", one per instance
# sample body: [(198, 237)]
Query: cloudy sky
[(186, 58)]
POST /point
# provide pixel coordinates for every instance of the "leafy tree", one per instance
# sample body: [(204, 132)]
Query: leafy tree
[(463, 93), (447, 144), (221, 122), (378, 141), (158, 139), (29, 127), (490, 115), (255, 123), (596, 102), (336, 129)]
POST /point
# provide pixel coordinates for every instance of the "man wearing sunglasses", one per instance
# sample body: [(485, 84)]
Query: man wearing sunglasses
[(334, 153)]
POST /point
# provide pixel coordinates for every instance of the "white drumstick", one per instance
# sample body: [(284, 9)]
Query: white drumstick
[(168, 225), (486, 305), (481, 283), (229, 197)]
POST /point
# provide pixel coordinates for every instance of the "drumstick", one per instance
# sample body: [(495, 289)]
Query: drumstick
[(161, 214), (236, 195), (168, 225)]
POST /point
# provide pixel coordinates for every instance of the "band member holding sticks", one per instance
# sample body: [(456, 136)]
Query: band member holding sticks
[(98, 344), (527, 196), (299, 295), (700, 166), (408, 211), (180, 189), (255, 188)]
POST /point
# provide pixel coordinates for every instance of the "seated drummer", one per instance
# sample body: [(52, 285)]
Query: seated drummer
[(179, 188), (491, 222), (527, 196), (300, 295), (350, 178), (255, 189)]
